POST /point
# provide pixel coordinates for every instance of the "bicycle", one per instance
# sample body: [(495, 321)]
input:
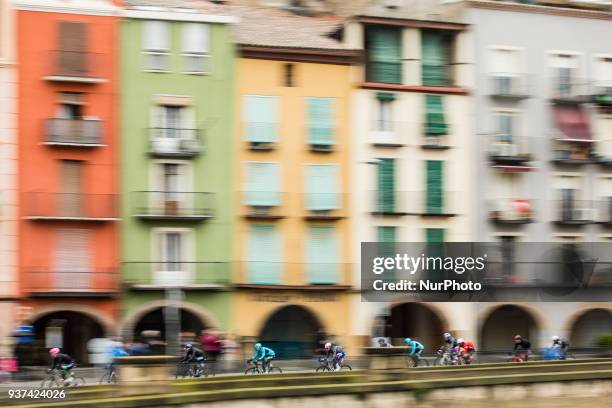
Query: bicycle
[(326, 365), (256, 367), (415, 360), (518, 357), (189, 369), (55, 379), (110, 376), (444, 358), (464, 359)]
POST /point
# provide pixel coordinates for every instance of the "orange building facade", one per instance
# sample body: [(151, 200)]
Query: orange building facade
[(68, 171)]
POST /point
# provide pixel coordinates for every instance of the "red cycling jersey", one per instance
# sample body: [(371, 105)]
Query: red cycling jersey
[(467, 347)]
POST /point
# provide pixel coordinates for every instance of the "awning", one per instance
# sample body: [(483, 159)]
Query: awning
[(513, 169), (573, 123), (385, 96)]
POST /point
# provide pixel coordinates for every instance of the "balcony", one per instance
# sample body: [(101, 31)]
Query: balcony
[(604, 211), (387, 133), (263, 205), (572, 152), (400, 203), (175, 142), (294, 275), (508, 86), (73, 132), (321, 138), (569, 91), (186, 275), (261, 136), (70, 207), (601, 92), (511, 211), (574, 212), (435, 142), (509, 150), (81, 282), (172, 205), (323, 206), (76, 66)]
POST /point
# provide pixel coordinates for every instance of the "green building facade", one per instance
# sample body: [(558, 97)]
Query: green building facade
[(177, 86)]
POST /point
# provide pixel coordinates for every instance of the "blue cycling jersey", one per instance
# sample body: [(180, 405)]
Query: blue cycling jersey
[(262, 353), (415, 347)]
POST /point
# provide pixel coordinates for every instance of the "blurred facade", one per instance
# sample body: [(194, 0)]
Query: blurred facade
[(68, 170), (176, 149), (249, 146)]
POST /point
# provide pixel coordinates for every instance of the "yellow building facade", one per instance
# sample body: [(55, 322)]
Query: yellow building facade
[(292, 235)]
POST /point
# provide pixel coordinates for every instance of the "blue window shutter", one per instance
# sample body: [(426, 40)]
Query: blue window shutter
[(322, 187), (261, 118), (322, 251), (320, 121), (264, 255), (263, 184)]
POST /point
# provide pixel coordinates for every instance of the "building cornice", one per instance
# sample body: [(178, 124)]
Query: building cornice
[(85, 7), (402, 22), (178, 16), (313, 55), (539, 9)]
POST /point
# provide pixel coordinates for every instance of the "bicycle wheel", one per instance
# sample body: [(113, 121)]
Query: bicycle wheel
[(113, 378), (50, 382), (421, 362), (78, 382), (410, 362), (322, 369), (105, 379), (346, 367), (276, 370), (251, 370)]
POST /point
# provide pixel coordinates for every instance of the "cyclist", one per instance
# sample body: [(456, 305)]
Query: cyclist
[(450, 345), (116, 350), (263, 354), (416, 348), (465, 349), (560, 346), (62, 362), (194, 355), (336, 353), (521, 347), (382, 342)]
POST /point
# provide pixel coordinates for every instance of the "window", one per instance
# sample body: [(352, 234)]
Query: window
[(507, 249), (504, 68), (434, 201), (384, 122), (435, 122), (172, 251), (264, 255), (320, 121), (71, 57), (384, 63), (386, 237), (321, 255), (72, 264), (260, 118), (435, 58), (195, 47), (156, 45), (322, 187), (505, 127), (603, 79), (170, 194), (289, 75), (70, 203), (70, 105), (173, 122), (386, 186), (263, 184), (435, 238), (565, 72)]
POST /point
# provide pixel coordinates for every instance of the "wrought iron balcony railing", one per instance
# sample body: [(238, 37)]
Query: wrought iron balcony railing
[(73, 132)]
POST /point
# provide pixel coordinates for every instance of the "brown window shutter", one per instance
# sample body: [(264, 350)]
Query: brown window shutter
[(72, 45)]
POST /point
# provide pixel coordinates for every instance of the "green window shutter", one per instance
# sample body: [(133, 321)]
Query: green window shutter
[(435, 248), (386, 186), (434, 235), (435, 195), (263, 184), (387, 236), (264, 255), (322, 256), (435, 122), (385, 96), (320, 121), (322, 187), (434, 62), (261, 122), (385, 56)]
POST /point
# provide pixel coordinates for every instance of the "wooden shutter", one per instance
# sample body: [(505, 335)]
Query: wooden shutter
[(320, 121), (434, 115), (434, 63), (322, 187), (71, 184), (261, 118), (386, 185), (72, 46), (384, 53), (263, 183), (434, 183), (72, 259), (322, 255), (264, 255)]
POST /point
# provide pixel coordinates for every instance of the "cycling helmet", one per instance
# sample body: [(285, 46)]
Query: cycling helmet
[(460, 341), (257, 346), (407, 340), (188, 346), (517, 337), (555, 338), (327, 345), (446, 335), (54, 351)]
